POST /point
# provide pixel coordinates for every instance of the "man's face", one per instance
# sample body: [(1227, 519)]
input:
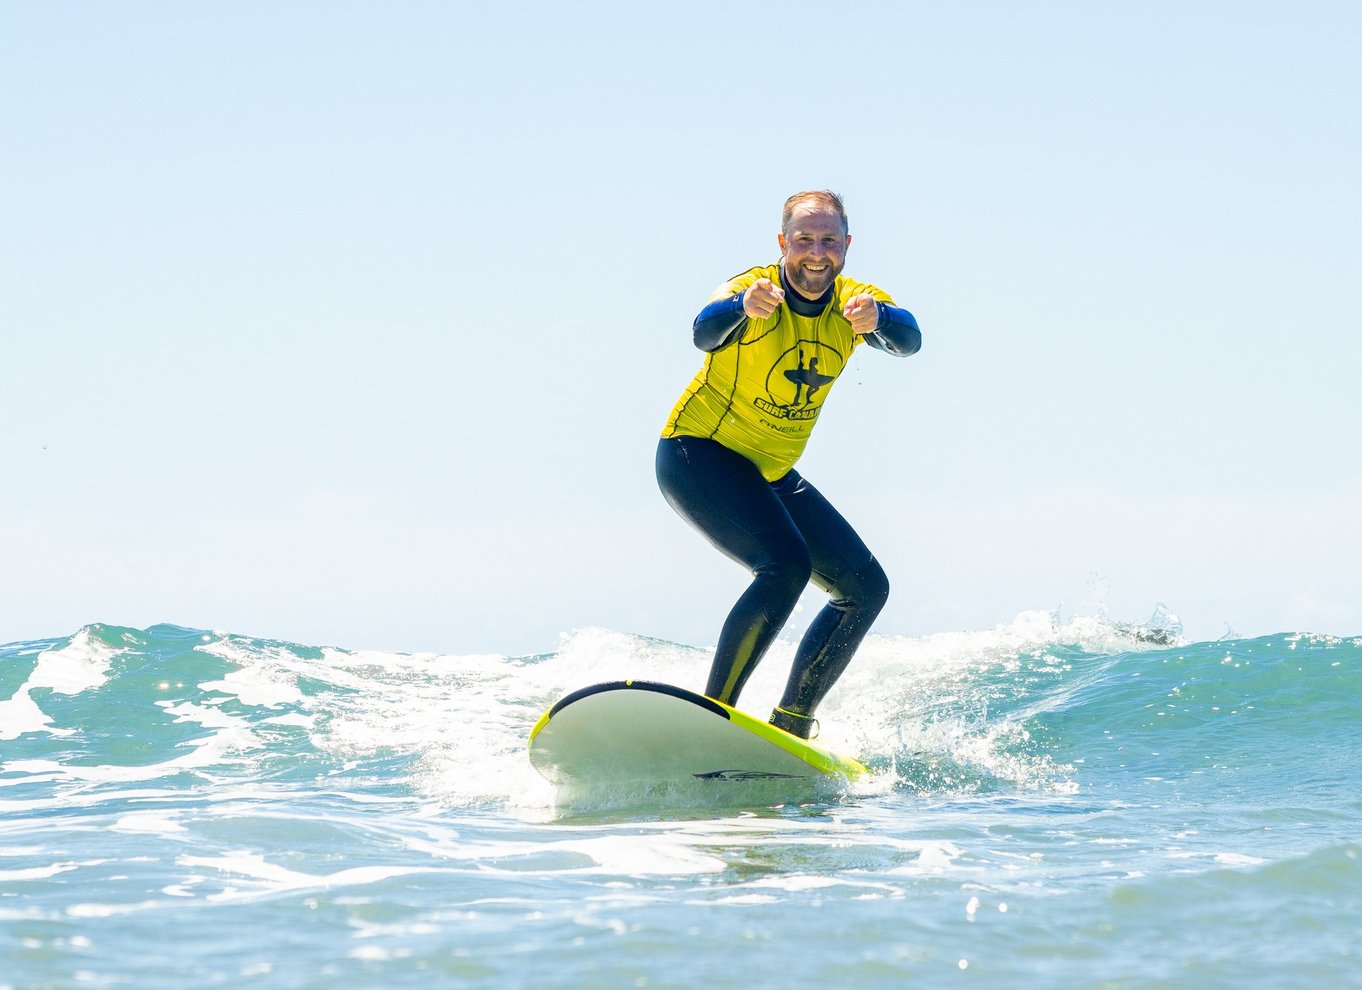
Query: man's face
[(814, 249)]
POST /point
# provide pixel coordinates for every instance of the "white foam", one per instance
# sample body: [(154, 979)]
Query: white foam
[(933, 857), (466, 719), (666, 855), (149, 823), (81, 665), (7, 850), (257, 686), (1238, 859), (92, 910), (253, 871), (462, 717), (21, 714), (229, 739), (36, 872)]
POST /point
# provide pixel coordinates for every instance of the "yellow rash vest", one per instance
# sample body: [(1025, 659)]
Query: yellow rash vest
[(760, 395)]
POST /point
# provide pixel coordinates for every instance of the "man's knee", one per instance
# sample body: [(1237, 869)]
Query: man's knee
[(790, 569), (865, 589)]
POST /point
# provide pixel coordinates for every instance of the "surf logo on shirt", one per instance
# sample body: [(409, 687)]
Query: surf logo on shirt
[(797, 380)]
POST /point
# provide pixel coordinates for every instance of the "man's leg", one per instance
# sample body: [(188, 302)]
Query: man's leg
[(724, 496), (857, 587)]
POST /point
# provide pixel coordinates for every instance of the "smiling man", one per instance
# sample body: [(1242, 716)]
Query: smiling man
[(776, 338)]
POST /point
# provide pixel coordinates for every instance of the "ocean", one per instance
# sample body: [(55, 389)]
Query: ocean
[(1057, 802)]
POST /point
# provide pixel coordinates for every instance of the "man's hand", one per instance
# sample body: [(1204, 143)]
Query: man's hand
[(863, 312), (761, 299)]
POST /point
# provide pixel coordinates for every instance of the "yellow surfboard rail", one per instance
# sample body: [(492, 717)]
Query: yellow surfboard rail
[(824, 759)]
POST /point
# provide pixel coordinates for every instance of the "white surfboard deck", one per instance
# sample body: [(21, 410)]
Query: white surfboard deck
[(643, 731)]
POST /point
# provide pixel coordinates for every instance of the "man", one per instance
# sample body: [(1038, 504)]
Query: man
[(776, 338)]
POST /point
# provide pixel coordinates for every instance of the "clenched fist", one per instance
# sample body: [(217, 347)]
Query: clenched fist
[(762, 298), (863, 312)]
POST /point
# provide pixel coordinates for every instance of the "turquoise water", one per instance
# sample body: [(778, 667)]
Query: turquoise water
[(1054, 803)]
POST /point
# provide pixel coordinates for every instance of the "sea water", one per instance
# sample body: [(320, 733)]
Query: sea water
[(1059, 802)]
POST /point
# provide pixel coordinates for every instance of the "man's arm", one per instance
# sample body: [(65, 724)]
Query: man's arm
[(720, 323), (896, 332), (883, 325)]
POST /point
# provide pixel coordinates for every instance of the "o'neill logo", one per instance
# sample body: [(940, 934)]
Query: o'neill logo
[(797, 378)]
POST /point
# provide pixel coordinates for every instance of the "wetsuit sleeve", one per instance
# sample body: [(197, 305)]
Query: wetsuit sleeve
[(720, 323), (897, 332)]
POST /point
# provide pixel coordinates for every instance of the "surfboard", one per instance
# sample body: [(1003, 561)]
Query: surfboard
[(643, 731)]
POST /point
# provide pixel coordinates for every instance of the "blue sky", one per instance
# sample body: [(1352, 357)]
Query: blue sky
[(355, 323)]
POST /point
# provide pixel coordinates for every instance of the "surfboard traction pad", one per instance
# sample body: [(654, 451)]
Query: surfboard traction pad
[(648, 731)]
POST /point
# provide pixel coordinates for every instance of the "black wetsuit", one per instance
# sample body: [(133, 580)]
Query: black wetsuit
[(784, 532)]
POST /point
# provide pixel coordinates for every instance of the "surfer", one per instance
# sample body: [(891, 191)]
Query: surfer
[(775, 338), (809, 378)]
